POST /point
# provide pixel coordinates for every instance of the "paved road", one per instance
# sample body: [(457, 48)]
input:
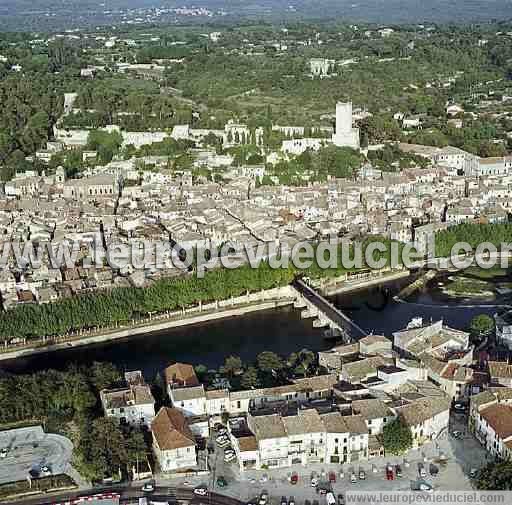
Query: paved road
[(132, 494)]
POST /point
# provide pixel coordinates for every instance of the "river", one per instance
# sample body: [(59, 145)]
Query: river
[(280, 330)]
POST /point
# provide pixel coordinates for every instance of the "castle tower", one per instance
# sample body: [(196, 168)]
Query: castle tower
[(345, 135)]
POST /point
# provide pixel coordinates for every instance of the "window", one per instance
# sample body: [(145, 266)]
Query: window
[(238, 404)]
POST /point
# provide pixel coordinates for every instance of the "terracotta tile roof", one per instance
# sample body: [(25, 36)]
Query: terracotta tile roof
[(499, 418), (423, 409), (247, 444), (171, 431), (182, 374)]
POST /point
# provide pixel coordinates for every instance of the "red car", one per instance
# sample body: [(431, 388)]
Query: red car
[(389, 473), (332, 477), (294, 478)]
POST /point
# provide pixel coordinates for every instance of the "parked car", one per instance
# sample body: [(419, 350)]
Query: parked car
[(389, 473), (294, 478), (264, 478), (201, 490), (425, 487), (421, 471), (460, 407), (473, 473), (341, 499), (263, 498), (291, 501), (45, 471), (332, 476), (457, 434), (433, 470), (284, 501), (353, 478), (398, 471), (362, 474), (229, 457), (3, 453), (148, 488), (221, 481), (314, 480)]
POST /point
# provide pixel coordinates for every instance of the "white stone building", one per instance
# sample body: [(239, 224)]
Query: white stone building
[(173, 442)]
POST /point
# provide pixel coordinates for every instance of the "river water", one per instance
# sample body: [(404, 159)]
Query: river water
[(281, 330)]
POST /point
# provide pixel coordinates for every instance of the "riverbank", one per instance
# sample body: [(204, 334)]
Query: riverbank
[(356, 282), (235, 307)]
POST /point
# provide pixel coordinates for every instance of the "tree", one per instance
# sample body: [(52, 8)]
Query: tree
[(397, 437), (104, 375), (269, 362), (495, 476), (232, 366), (250, 378), (481, 326)]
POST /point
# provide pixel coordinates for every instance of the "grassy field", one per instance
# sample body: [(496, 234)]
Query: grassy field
[(486, 273)]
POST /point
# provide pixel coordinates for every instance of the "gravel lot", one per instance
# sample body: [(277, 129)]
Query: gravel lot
[(31, 448)]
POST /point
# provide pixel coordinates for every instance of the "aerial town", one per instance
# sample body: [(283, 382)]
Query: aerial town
[(150, 383)]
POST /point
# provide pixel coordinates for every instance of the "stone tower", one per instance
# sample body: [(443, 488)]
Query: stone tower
[(345, 135)]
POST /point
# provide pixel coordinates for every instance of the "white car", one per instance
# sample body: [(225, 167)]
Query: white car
[(353, 478), (314, 482), (45, 471), (228, 458), (201, 491)]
